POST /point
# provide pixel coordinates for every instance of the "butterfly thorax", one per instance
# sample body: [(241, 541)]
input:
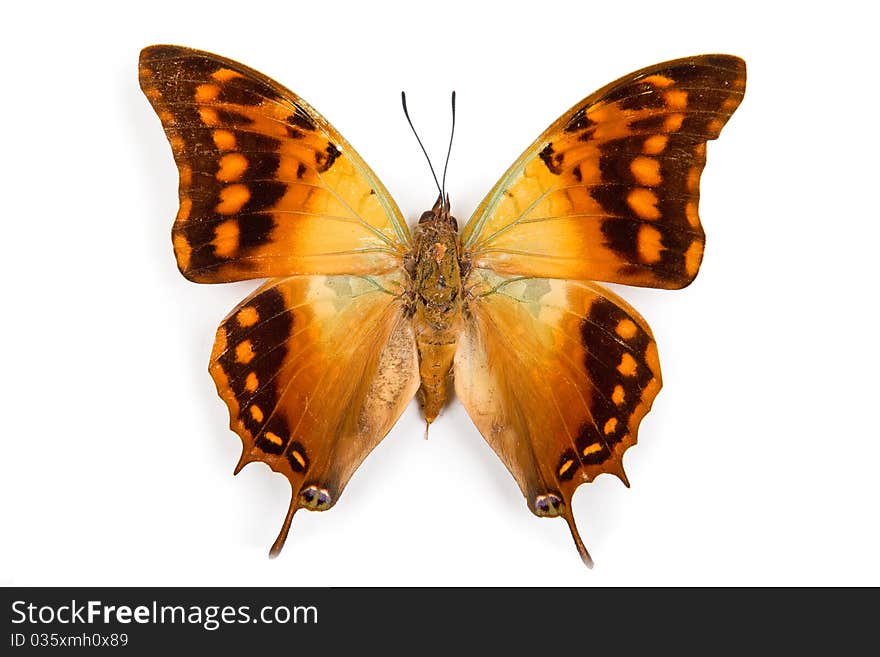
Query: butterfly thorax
[(437, 292)]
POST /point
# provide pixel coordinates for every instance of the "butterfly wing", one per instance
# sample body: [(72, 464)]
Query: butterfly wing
[(283, 362), (556, 375), (609, 192), (557, 372), (267, 186)]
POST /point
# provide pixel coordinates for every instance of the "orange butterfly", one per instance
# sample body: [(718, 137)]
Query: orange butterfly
[(360, 314)]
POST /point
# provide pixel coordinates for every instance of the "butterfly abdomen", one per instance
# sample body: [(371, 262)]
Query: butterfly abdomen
[(437, 295)]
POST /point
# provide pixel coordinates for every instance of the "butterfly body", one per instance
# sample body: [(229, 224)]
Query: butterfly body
[(359, 314), (437, 303)]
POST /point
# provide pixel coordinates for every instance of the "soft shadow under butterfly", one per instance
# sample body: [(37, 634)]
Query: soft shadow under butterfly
[(359, 315)]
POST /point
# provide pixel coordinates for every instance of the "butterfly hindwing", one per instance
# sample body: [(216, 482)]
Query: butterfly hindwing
[(557, 376), (610, 191), (315, 370), (267, 186)]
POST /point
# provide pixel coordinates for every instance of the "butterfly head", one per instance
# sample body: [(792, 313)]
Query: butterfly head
[(439, 214)]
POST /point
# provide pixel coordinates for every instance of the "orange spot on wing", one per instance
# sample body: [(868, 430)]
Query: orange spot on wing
[(649, 244), (713, 128), (251, 382), (256, 413), (610, 426), (659, 81), (646, 171), (690, 211), (730, 104), (233, 198), (244, 352), (209, 116), (299, 457), (652, 357), (226, 236), (618, 396), (627, 365), (182, 249), (676, 99), (644, 203), (232, 166), (566, 467), (592, 449), (185, 208), (276, 439), (673, 122), (224, 140), (247, 316), (626, 329), (692, 258), (654, 144), (207, 92), (224, 75)]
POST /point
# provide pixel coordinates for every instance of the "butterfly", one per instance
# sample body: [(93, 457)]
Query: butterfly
[(360, 314)]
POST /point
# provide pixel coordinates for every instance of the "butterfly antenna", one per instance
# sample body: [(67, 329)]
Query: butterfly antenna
[(448, 152), (409, 120)]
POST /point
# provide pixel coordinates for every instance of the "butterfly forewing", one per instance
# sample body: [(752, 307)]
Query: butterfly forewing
[(267, 186), (610, 191)]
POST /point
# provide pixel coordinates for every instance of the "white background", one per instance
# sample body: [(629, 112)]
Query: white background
[(759, 464)]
